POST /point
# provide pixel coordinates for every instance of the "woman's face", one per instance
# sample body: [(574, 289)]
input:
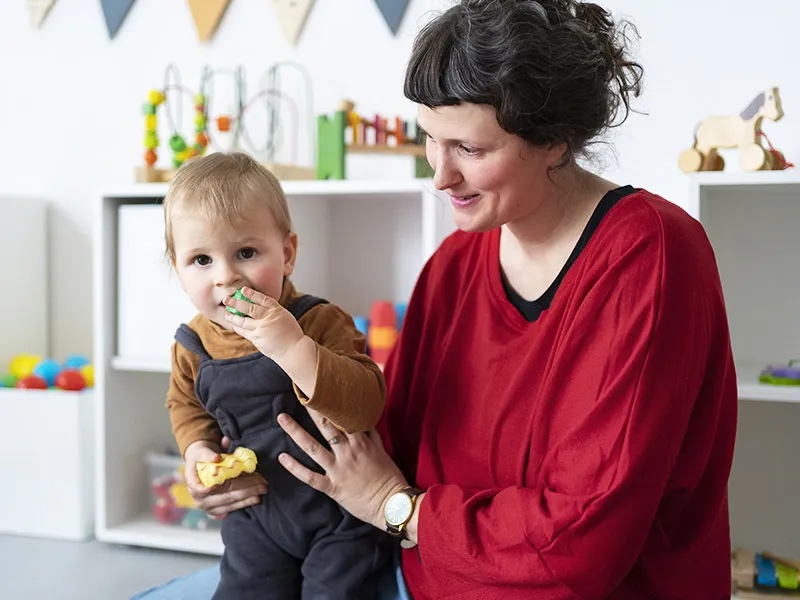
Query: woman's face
[(492, 177)]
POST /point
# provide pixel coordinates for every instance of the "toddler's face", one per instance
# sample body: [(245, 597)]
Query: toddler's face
[(215, 259)]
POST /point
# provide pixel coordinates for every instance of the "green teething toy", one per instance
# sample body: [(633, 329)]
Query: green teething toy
[(239, 296)]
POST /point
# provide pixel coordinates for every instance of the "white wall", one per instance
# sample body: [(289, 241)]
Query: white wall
[(70, 99)]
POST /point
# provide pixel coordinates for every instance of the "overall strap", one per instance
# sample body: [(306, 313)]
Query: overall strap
[(303, 304), (191, 341)]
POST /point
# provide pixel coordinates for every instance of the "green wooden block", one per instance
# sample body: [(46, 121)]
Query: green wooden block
[(422, 168), (331, 146), (239, 296)]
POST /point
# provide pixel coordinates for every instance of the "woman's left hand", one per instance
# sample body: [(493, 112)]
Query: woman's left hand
[(359, 474)]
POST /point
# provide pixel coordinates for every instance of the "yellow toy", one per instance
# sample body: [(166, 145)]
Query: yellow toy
[(243, 460)]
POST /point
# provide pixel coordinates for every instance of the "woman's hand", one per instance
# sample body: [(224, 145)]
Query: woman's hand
[(241, 492), (359, 474)]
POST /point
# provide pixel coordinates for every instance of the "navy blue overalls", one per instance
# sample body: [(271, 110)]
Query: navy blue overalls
[(297, 543)]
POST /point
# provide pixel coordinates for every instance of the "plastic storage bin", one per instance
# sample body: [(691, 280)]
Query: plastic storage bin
[(170, 502)]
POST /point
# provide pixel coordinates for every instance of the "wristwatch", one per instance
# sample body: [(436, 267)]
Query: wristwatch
[(398, 511)]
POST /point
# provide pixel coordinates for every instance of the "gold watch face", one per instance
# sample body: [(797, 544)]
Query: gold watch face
[(398, 509)]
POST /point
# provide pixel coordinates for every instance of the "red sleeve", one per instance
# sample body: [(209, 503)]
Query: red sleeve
[(632, 361)]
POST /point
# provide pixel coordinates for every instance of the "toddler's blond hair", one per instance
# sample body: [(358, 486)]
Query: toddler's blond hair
[(224, 186)]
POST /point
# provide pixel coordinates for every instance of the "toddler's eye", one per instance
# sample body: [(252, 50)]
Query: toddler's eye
[(247, 253), (202, 260)]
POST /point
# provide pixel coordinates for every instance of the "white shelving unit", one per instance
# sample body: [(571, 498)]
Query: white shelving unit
[(753, 220), (359, 241)]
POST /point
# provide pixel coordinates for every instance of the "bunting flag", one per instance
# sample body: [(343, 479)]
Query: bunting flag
[(292, 15), (207, 15), (393, 11), (38, 9), (115, 12)]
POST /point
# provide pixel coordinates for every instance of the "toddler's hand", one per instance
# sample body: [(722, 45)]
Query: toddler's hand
[(200, 451), (269, 326)]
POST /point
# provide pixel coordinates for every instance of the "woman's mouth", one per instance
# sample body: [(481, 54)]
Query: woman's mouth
[(464, 201)]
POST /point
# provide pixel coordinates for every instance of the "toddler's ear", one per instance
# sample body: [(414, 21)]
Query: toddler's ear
[(289, 253)]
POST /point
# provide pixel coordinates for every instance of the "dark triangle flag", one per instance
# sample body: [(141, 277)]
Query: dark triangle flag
[(115, 12), (393, 11)]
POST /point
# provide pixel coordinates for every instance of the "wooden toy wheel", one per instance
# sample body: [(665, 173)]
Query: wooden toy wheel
[(690, 160), (752, 157), (713, 162)]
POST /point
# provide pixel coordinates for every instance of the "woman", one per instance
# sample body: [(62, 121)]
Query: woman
[(562, 397)]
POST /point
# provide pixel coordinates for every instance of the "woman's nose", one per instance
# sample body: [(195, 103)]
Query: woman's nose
[(445, 174)]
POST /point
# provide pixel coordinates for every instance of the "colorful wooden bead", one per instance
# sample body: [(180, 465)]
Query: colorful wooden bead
[(155, 97), (150, 157), (151, 123), (224, 123), (151, 140), (177, 143), (148, 109)]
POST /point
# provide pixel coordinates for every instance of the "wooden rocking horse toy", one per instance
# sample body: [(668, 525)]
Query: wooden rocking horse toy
[(742, 131)]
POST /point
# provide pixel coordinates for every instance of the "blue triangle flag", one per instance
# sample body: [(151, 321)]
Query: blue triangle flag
[(115, 12), (393, 11)]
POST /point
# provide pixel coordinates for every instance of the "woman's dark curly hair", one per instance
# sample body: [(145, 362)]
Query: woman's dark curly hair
[(555, 71)]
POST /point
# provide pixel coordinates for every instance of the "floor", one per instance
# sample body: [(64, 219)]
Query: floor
[(38, 569)]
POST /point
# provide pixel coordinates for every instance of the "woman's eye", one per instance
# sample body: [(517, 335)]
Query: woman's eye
[(202, 260), (247, 253), (469, 150)]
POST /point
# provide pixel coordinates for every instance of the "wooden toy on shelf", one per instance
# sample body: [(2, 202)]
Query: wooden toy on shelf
[(230, 132), (742, 131), (348, 132), (763, 575)]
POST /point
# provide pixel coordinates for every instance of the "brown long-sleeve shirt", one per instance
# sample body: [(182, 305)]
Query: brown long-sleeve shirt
[(350, 389)]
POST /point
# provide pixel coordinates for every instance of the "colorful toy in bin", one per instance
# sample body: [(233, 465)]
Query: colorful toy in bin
[(174, 506), (781, 374), (31, 382), (243, 460), (48, 370), (32, 372), (23, 365)]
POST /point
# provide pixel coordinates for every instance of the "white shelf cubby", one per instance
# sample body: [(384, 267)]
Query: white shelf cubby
[(359, 241)]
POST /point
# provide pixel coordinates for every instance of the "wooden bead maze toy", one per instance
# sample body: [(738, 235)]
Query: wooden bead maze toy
[(225, 131)]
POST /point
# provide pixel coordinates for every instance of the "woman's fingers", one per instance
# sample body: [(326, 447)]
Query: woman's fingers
[(317, 481), (332, 434), (316, 451)]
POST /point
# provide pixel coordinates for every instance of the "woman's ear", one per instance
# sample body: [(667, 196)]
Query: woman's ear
[(289, 253)]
